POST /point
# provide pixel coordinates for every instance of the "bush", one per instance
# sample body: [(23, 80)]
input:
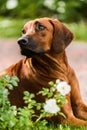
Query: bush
[(13, 118), (65, 10)]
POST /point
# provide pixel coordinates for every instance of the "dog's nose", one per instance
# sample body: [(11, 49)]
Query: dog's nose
[(22, 41)]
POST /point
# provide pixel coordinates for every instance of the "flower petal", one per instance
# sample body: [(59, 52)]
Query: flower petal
[(63, 88), (51, 106)]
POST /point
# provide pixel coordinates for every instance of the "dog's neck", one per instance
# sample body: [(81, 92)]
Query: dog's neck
[(50, 66)]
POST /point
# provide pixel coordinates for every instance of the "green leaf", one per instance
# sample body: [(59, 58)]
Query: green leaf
[(62, 114), (51, 83), (38, 106), (32, 95), (7, 78), (15, 78), (44, 92), (14, 83), (26, 93), (10, 86)]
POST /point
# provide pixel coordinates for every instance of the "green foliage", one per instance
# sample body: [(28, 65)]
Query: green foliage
[(7, 112), (13, 118), (10, 28), (65, 10), (79, 30)]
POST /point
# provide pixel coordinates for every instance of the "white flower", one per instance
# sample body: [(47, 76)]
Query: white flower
[(15, 113), (57, 81), (63, 88), (11, 4), (51, 106), (14, 110)]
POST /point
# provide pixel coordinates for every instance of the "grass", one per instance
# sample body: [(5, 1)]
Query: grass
[(11, 28), (79, 30), (59, 127)]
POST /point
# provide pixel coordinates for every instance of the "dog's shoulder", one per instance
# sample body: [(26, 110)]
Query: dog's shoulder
[(16, 69)]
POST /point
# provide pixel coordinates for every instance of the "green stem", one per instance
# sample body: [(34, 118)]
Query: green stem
[(40, 117)]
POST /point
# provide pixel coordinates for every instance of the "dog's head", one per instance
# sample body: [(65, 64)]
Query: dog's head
[(43, 35)]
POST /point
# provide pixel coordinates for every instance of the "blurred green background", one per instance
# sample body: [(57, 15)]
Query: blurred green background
[(15, 13)]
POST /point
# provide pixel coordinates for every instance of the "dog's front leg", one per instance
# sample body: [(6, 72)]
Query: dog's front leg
[(70, 118), (79, 108)]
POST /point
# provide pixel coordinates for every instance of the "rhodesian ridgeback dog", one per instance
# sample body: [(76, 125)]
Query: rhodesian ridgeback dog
[(43, 42)]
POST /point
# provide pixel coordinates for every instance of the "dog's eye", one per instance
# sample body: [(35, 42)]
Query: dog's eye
[(39, 27), (23, 31)]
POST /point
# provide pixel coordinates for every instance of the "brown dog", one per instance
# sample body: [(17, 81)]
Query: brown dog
[(43, 43)]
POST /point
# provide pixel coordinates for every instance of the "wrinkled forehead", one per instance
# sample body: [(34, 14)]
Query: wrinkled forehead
[(43, 21)]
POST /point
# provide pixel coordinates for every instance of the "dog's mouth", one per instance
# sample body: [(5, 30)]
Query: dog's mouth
[(29, 47), (30, 53)]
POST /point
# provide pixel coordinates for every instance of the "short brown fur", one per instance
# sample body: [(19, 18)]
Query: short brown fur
[(35, 71)]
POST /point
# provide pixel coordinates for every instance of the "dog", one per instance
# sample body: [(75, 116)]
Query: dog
[(43, 42)]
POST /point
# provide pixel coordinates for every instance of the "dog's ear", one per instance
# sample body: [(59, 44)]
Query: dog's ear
[(62, 36)]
